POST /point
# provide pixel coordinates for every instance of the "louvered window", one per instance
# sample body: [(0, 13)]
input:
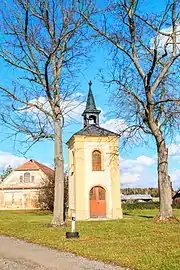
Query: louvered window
[(26, 177), (96, 161)]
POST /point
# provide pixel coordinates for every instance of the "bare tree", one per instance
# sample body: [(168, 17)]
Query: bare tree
[(44, 42), (145, 71), (45, 198)]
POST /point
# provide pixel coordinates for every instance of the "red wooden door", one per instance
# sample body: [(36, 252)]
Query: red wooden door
[(97, 202)]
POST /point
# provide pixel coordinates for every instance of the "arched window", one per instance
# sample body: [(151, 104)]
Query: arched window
[(27, 177), (92, 119), (96, 160)]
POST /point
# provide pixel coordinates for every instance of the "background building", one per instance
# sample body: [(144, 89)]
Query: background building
[(20, 188)]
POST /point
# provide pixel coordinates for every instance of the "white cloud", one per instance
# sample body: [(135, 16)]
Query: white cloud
[(165, 41), (175, 178), (133, 172), (177, 138), (129, 179), (115, 125), (72, 108), (132, 169), (174, 149), (66, 166), (7, 159), (42, 102), (145, 161), (137, 164)]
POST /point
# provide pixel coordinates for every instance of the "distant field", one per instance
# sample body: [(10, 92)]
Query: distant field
[(136, 241)]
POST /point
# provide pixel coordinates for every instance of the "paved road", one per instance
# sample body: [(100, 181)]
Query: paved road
[(8, 264), (19, 255)]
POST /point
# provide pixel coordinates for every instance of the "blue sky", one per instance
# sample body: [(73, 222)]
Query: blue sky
[(138, 163)]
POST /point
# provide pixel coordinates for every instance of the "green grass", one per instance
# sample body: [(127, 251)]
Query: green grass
[(135, 241)]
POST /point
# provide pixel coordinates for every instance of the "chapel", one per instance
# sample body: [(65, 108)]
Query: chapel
[(93, 165)]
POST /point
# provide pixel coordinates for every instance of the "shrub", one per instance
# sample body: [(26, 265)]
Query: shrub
[(140, 205), (176, 205), (145, 205), (45, 199)]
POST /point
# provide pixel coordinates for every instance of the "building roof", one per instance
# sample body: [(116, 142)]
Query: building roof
[(136, 197), (90, 104), (95, 130), (177, 195), (33, 165)]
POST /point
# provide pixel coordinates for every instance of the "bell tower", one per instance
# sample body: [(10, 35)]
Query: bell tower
[(93, 168), (91, 114)]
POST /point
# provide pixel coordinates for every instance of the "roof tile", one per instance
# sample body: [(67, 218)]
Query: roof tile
[(95, 130), (33, 165)]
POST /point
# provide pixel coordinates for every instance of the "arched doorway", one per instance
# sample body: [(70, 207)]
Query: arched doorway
[(97, 202)]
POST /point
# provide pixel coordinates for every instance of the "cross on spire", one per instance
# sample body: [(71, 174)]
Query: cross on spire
[(90, 83)]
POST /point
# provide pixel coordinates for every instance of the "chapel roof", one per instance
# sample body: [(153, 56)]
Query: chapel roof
[(95, 130), (32, 165)]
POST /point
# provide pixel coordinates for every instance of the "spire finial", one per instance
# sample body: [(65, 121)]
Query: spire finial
[(90, 83)]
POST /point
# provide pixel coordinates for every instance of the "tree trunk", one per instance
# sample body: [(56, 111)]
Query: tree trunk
[(165, 193), (58, 213)]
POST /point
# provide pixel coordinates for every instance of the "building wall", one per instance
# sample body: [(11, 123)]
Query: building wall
[(79, 178), (71, 182), (115, 179), (14, 178), (83, 178), (18, 199), (76, 174), (97, 178), (15, 194)]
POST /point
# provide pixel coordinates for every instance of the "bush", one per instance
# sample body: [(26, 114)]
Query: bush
[(176, 205), (145, 205), (140, 205), (45, 199)]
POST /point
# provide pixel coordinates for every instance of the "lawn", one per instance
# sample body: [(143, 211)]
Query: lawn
[(135, 241)]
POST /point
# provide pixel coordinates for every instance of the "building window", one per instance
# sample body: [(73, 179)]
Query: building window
[(21, 178), (92, 119), (32, 178), (101, 194), (92, 194), (27, 177), (96, 161), (12, 198)]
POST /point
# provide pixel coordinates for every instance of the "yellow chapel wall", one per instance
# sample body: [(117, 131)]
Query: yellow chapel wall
[(71, 178), (115, 179), (97, 178), (79, 178), (84, 178)]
